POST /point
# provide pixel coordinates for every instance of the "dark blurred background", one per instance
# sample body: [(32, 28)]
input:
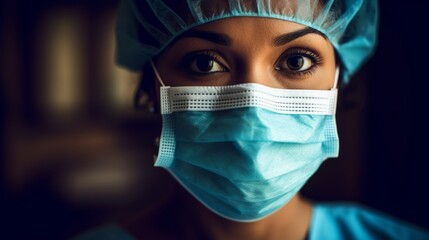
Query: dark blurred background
[(75, 154)]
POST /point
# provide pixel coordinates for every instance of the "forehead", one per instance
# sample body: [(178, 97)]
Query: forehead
[(254, 29), (259, 31)]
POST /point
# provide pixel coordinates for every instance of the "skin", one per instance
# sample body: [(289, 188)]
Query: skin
[(247, 52), (250, 57)]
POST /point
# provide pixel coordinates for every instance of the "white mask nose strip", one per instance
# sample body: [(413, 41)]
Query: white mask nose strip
[(214, 98)]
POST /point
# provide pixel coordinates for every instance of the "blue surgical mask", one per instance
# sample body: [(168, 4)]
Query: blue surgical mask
[(245, 150)]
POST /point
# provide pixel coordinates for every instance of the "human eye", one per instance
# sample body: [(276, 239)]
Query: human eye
[(296, 62), (203, 63)]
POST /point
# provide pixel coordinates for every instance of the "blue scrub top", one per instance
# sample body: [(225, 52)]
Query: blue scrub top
[(352, 221), (329, 221)]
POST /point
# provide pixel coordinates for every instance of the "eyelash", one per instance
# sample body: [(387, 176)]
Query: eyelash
[(189, 58), (314, 56)]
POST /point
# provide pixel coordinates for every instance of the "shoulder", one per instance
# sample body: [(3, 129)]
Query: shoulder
[(161, 219), (147, 224), (355, 221), (105, 232)]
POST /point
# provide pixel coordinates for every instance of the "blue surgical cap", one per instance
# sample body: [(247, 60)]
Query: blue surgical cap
[(145, 27)]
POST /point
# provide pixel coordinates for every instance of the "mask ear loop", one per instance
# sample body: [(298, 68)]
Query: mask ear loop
[(337, 75), (158, 77)]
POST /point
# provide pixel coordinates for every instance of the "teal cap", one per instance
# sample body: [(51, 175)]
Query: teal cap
[(145, 27)]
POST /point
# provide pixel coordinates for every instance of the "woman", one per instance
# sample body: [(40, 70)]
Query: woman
[(247, 91)]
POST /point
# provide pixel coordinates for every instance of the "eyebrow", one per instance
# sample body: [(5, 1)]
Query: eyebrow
[(217, 38), (223, 39), (288, 37)]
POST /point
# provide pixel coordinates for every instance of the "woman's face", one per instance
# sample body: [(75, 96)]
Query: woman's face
[(271, 52)]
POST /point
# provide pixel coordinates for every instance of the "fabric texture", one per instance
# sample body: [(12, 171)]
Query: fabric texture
[(145, 28), (333, 221), (245, 150), (338, 221)]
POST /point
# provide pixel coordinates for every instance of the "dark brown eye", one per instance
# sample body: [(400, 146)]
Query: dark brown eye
[(205, 64), (296, 63)]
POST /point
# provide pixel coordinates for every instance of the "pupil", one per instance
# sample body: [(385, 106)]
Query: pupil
[(295, 62), (204, 64)]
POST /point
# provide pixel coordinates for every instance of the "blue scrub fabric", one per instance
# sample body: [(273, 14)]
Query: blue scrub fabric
[(353, 221), (342, 221), (105, 232)]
